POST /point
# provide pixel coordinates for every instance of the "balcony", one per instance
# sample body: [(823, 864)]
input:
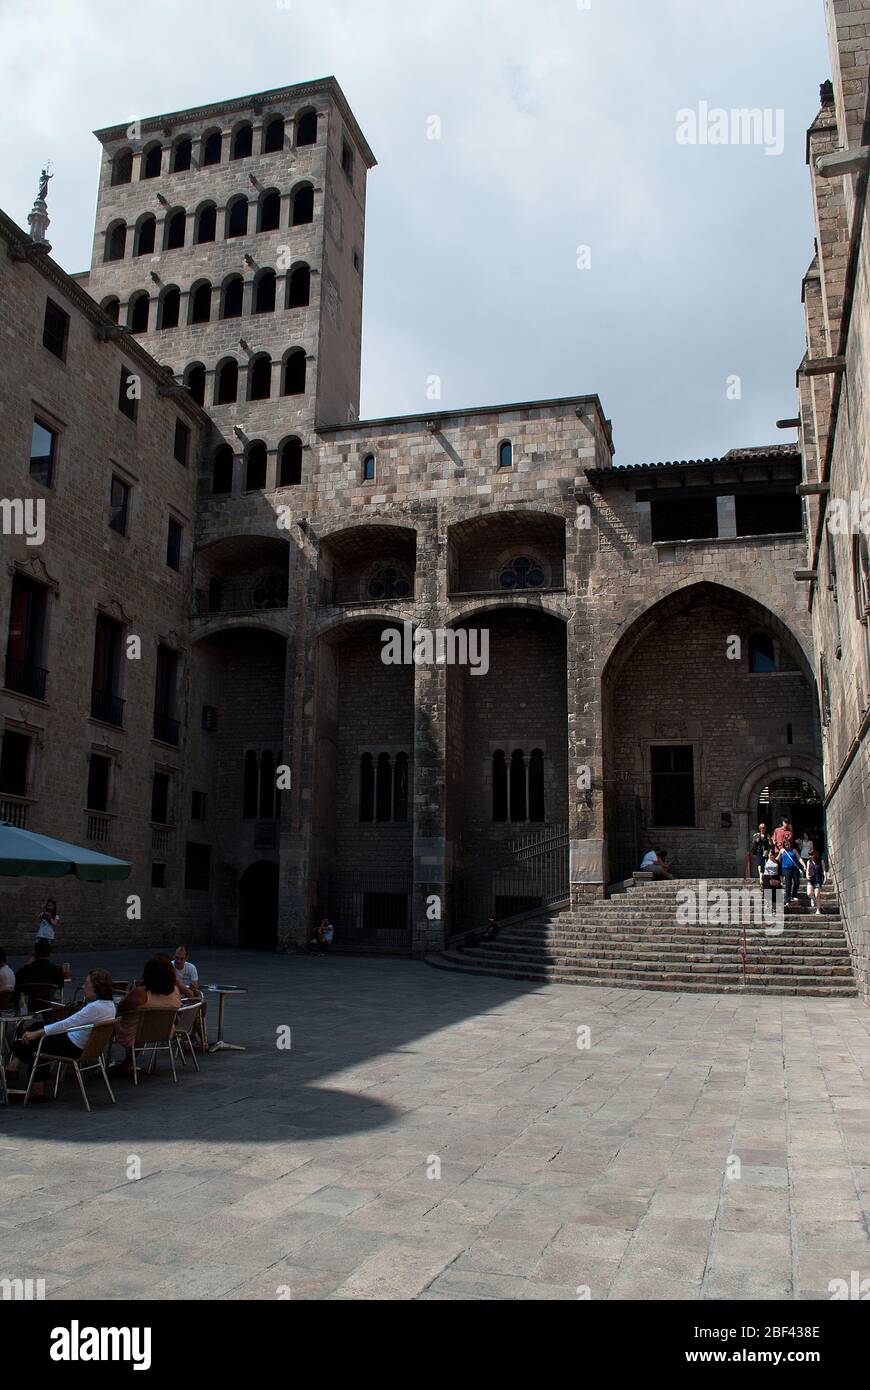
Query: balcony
[(25, 678), (99, 827), (519, 576), (107, 707), (166, 729), (263, 594), (14, 813), (389, 585), (161, 838)]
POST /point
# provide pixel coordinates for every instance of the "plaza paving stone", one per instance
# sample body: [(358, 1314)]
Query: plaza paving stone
[(440, 1136)]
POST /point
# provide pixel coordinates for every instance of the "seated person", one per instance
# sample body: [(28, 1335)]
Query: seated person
[(187, 976), (39, 971), (654, 862), (324, 935), (68, 1036), (158, 990), (7, 975)]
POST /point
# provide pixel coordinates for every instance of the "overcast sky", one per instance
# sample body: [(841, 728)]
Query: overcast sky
[(558, 131)]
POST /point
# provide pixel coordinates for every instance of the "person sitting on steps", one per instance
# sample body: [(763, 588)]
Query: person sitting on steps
[(655, 862)]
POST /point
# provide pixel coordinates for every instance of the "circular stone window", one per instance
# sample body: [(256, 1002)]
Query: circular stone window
[(522, 573)]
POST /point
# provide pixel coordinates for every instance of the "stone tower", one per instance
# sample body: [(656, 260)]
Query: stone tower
[(229, 240)]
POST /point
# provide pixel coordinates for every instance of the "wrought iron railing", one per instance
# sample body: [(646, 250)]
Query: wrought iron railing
[(25, 678), (161, 838), (107, 707), (506, 581), (531, 873), (371, 911), (257, 594), (340, 592), (166, 729)]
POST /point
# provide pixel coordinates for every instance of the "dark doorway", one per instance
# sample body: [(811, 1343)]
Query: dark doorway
[(258, 907), (797, 799)]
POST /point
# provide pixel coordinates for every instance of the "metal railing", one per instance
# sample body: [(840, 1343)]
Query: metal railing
[(371, 911), (166, 729), (258, 594), (25, 678), (161, 838), (531, 873), (487, 579), (107, 707), (337, 592)]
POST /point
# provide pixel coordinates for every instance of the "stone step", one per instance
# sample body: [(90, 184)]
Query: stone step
[(619, 964), (716, 958), (666, 982)]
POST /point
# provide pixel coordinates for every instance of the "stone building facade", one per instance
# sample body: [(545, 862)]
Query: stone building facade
[(617, 659), (101, 451), (834, 383)]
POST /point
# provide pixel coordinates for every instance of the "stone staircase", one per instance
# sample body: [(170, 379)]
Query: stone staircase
[(633, 940)]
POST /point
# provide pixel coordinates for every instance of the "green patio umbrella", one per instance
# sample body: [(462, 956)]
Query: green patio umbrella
[(25, 855)]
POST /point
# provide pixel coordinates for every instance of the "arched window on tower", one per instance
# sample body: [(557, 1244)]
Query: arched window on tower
[(536, 786), (194, 380), (384, 789), (175, 228), (200, 303), (227, 383), (273, 135), (152, 159), (169, 308), (264, 292), (517, 785), (116, 241), (231, 298), (145, 233), (237, 217), (400, 788), (367, 788), (122, 167), (112, 307), (251, 795), (138, 312), (762, 654), (260, 378), (222, 471), (211, 147), (290, 463), (499, 786), (269, 211), (294, 374), (299, 287), (243, 142), (303, 206), (206, 224), (505, 454), (306, 128), (181, 155), (255, 466)]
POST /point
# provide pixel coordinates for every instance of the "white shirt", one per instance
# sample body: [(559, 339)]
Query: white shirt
[(7, 977), (650, 860), (328, 932), (98, 1011), (807, 848), (45, 931), (188, 974)]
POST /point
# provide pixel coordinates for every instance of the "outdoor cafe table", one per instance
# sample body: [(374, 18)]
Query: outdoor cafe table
[(222, 991)]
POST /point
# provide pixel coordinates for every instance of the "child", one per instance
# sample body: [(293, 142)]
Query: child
[(815, 879)]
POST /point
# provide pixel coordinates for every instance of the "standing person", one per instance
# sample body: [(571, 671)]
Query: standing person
[(815, 879), (783, 835), (806, 845), (69, 1035), (791, 865), (772, 875), (49, 921), (758, 849)]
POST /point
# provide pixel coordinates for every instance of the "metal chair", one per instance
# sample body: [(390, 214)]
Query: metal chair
[(91, 1059), (187, 1022), (37, 996), (154, 1028)]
